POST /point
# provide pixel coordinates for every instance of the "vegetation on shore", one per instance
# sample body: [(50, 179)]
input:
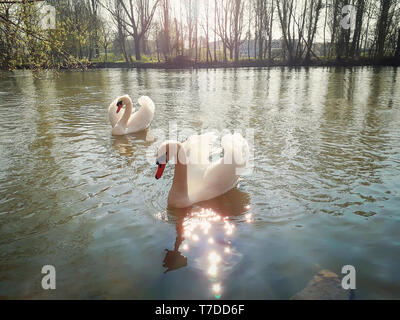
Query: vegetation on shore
[(243, 64), (199, 33)]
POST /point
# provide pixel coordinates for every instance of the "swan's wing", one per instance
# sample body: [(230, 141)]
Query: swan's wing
[(147, 103), (112, 113), (142, 118), (199, 149), (223, 174), (236, 149), (218, 179)]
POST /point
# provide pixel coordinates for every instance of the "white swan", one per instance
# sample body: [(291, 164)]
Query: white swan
[(195, 178), (130, 121)]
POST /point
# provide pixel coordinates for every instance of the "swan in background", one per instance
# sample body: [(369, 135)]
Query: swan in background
[(130, 121), (196, 178)]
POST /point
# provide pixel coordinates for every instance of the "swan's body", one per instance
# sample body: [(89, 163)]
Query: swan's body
[(196, 178), (130, 121)]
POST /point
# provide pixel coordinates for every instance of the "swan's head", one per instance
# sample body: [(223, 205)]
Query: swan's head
[(168, 150), (123, 101)]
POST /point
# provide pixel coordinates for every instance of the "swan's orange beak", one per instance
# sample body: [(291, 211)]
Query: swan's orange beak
[(161, 162), (160, 170), (119, 106)]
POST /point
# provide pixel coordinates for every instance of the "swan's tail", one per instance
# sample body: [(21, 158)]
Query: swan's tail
[(146, 102), (236, 149)]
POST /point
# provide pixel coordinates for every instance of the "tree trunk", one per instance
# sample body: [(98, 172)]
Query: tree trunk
[(260, 13), (382, 27), (195, 42), (166, 29), (215, 33), (270, 32), (224, 50), (260, 47), (248, 46), (397, 54), (326, 18), (255, 45), (313, 30), (123, 48), (137, 49), (157, 46), (354, 50), (334, 26)]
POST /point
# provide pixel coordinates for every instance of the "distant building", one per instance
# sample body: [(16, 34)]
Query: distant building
[(244, 48), (276, 44)]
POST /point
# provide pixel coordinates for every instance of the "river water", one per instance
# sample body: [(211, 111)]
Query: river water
[(322, 190)]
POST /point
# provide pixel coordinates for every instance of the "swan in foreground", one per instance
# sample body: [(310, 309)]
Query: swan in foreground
[(130, 121), (196, 178)]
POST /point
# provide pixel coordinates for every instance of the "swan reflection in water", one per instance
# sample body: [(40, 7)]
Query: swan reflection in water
[(204, 233), (126, 145)]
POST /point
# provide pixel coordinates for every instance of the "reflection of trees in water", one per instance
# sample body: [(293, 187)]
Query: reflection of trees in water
[(374, 133), (350, 135), (194, 89), (339, 99), (143, 79), (204, 232), (283, 86), (234, 112), (35, 172), (393, 87), (258, 108), (337, 116), (39, 168)]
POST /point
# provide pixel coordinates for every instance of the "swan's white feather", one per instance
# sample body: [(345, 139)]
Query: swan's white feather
[(208, 180), (141, 119)]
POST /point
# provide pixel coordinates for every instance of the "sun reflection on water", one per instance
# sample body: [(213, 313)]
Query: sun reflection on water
[(203, 227), (200, 226), (205, 235)]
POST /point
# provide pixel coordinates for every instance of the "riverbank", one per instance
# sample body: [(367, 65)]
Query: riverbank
[(189, 64), (242, 64)]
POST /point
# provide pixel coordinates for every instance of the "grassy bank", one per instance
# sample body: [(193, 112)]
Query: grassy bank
[(243, 64)]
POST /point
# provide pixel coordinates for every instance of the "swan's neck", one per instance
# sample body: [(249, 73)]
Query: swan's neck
[(178, 195), (127, 114)]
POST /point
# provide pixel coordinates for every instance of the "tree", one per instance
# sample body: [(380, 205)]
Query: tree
[(397, 54), (237, 13), (227, 29), (383, 26), (264, 15), (292, 29), (215, 33), (165, 23), (205, 26), (355, 45), (314, 12), (136, 20), (105, 38), (24, 42), (190, 25), (118, 18)]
